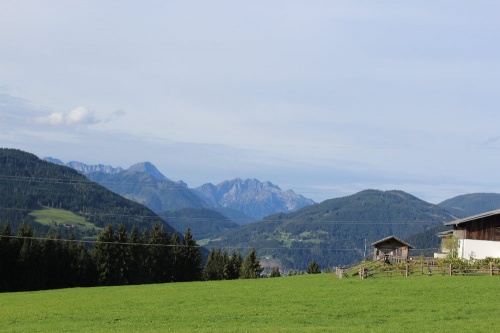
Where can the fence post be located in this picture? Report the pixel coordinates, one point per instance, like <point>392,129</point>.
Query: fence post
<point>406,272</point>
<point>339,272</point>
<point>491,267</point>
<point>451,270</point>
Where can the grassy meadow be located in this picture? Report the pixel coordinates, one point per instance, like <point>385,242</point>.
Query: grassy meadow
<point>49,216</point>
<point>307,303</point>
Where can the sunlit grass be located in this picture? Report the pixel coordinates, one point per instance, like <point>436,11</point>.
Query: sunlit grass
<point>53,216</point>
<point>308,303</point>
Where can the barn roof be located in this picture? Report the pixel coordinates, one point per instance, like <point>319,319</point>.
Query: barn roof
<point>445,233</point>
<point>474,217</point>
<point>392,237</point>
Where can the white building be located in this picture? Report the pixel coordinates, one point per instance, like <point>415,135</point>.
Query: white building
<point>478,236</point>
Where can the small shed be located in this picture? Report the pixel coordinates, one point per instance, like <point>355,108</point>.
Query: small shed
<point>391,249</point>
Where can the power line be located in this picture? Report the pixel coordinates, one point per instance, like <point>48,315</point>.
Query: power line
<point>200,219</point>
<point>182,245</point>
<point>95,241</point>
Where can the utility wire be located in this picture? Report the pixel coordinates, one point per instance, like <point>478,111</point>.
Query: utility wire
<point>180,245</point>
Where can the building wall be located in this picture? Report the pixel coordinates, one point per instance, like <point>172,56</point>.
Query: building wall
<point>484,229</point>
<point>479,248</point>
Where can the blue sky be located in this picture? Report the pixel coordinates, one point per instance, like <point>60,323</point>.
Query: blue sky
<point>323,97</point>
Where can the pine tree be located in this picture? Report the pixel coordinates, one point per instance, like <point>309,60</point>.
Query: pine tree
<point>134,273</point>
<point>104,255</point>
<point>191,259</point>
<point>86,270</point>
<point>122,255</point>
<point>275,272</point>
<point>313,268</point>
<point>177,259</point>
<point>28,259</point>
<point>160,264</point>
<point>226,265</point>
<point>212,269</point>
<point>236,261</point>
<point>8,259</point>
<point>250,268</point>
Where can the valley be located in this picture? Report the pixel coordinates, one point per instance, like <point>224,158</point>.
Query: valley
<point>296,230</point>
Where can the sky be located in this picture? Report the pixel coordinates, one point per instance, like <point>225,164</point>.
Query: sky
<point>326,98</point>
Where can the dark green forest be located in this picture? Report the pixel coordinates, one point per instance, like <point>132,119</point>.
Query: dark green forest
<point>471,204</point>
<point>335,232</point>
<point>117,257</point>
<point>28,183</point>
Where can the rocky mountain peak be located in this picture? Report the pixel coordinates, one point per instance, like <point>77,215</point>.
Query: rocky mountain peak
<point>148,168</point>
<point>252,197</point>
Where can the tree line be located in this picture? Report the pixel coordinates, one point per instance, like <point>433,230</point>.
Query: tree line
<point>29,183</point>
<point>118,257</point>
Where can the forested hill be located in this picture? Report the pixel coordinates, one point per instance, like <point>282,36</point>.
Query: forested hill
<point>29,184</point>
<point>471,204</point>
<point>335,231</point>
<point>203,222</point>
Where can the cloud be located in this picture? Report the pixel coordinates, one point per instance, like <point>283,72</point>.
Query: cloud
<point>492,140</point>
<point>77,116</point>
<point>115,115</point>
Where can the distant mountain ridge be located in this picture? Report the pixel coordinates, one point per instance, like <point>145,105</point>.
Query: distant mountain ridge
<point>85,168</point>
<point>149,168</point>
<point>471,204</point>
<point>243,200</point>
<point>252,197</point>
<point>59,187</point>
<point>149,189</point>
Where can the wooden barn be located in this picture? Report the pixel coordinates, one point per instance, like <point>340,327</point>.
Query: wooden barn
<point>478,236</point>
<point>391,249</point>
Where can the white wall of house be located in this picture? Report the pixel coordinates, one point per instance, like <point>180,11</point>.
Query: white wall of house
<point>479,249</point>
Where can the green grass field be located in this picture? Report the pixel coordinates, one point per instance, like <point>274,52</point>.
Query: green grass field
<point>48,216</point>
<point>308,303</point>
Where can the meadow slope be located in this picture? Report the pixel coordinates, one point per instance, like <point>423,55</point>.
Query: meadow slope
<point>309,303</point>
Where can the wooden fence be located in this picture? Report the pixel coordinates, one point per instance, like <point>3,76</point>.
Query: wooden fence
<point>412,269</point>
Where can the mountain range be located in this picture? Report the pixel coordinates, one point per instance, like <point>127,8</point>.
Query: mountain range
<point>334,232</point>
<point>241,200</point>
<point>251,197</point>
<point>55,197</point>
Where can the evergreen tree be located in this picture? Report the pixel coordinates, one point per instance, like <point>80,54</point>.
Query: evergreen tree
<point>8,259</point>
<point>275,272</point>
<point>191,258</point>
<point>213,267</point>
<point>226,265</point>
<point>28,259</point>
<point>122,255</point>
<point>72,254</point>
<point>49,276</point>
<point>104,255</point>
<point>160,264</point>
<point>177,260</point>
<point>313,268</point>
<point>236,261</point>
<point>137,259</point>
<point>86,270</point>
<point>250,268</point>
